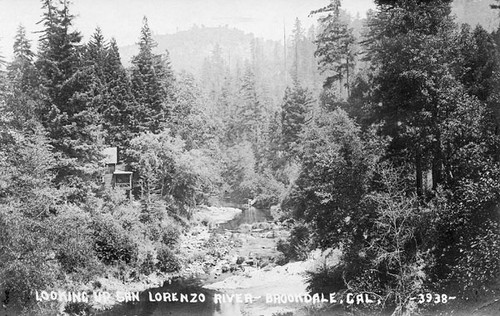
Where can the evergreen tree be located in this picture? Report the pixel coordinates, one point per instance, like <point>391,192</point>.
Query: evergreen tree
<point>3,93</point>
<point>298,39</point>
<point>95,53</point>
<point>109,89</point>
<point>295,108</point>
<point>226,107</point>
<point>479,61</point>
<point>193,117</point>
<point>72,124</point>
<point>335,46</point>
<point>22,46</point>
<point>311,63</point>
<point>251,111</point>
<point>25,95</point>
<point>214,70</point>
<point>478,69</point>
<point>152,85</point>
<point>117,115</point>
<point>411,54</point>
<point>256,58</point>
<point>58,56</point>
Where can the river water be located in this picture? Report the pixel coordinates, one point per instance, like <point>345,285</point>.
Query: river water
<point>194,291</point>
<point>148,307</point>
<point>248,216</point>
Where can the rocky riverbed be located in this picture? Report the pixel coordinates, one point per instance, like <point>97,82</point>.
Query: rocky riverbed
<point>231,263</point>
<point>243,261</point>
<point>212,253</point>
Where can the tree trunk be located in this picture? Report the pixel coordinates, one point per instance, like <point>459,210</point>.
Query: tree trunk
<point>347,76</point>
<point>418,170</point>
<point>437,162</point>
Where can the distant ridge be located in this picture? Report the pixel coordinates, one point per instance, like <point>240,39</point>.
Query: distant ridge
<point>476,12</point>
<point>189,48</point>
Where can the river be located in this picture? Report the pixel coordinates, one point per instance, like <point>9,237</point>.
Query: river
<point>248,216</point>
<point>149,306</point>
<point>194,290</point>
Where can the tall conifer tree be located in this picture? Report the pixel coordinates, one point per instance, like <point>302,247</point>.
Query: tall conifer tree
<point>109,90</point>
<point>72,123</point>
<point>295,107</point>
<point>24,99</point>
<point>335,47</point>
<point>152,84</point>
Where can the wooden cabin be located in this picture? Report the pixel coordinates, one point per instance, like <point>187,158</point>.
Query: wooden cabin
<point>116,176</point>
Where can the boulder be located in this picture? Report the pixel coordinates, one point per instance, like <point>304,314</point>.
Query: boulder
<point>250,262</point>
<point>240,260</point>
<point>234,267</point>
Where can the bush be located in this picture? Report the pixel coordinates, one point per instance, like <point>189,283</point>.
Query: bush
<point>479,265</point>
<point>170,235</point>
<point>111,242</point>
<point>167,260</point>
<point>74,242</point>
<point>283,246</point>
<point>153,211</point>
<point>215,247</point>
<point>326,279</point>
<point>280,259</point>
<point>298,244</point>
<point>147,264</point>
<point>129,216</point>
<point>24,245</point>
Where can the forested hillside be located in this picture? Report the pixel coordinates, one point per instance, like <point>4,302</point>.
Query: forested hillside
<point>378,137</point>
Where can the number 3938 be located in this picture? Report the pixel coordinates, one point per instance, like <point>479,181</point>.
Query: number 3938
<point>433,298</point>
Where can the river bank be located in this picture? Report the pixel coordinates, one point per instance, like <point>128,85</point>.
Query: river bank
<point>192,253</point>
<point>230,262</point>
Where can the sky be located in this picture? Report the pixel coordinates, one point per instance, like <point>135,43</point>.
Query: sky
<point>122,19</point>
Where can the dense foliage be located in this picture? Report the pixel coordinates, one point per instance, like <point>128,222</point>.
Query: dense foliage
<point>408,194</point>
<point>388,152</point>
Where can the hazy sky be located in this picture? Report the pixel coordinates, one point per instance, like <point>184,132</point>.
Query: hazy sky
<point>122,19</point>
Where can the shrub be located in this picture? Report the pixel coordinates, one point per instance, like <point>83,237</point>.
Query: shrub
<point>24,246</point>
<point>298,244</point>
<point>147,264</point>
<point>479,266</point>
<point>197,256</point>
<point>280,259</point>
<point>153,211</point>
<point>215,247</point>
<point>111,242</point>
<point>326,279</point>
<point>74,241</point>
<point>167,260</point>
<point>129,216</point>
<point>283,246</point>
<point>170,235</point>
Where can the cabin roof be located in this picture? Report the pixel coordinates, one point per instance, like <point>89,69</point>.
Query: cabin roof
<point>122,172</point>
<point>111,155</point>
